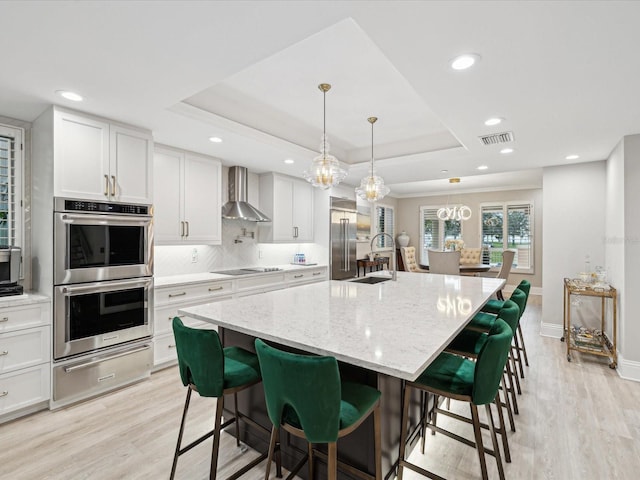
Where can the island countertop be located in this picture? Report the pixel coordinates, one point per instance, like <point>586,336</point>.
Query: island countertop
<point>393,328</point>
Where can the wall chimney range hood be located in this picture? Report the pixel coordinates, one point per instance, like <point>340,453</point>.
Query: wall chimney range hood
<point>237,208</point>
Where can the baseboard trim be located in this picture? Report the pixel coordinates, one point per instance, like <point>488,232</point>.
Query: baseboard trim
<point>628,369</point>
<point>552,330</point>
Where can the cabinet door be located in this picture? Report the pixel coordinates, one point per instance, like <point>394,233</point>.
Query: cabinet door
<point>130,165</point>
<point>167,205</point>
<point>202,208</point>
<point>283,209</point>
<point>303,211</point>
<point>81,156</point>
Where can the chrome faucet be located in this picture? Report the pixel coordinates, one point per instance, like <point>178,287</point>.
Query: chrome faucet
<point>394,275</point>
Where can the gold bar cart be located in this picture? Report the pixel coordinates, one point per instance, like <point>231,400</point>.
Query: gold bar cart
<point>583,340</point>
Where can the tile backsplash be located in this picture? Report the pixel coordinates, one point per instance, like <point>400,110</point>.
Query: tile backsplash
<point>179,259</point>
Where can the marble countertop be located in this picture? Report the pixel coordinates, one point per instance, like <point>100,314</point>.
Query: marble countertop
<point>394,328</point>
<point>186,279</point>
<point>24,299</point>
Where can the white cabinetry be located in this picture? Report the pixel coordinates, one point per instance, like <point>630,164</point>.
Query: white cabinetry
<point>25,356</point>
<point>168,300</point>
<point>95,159</point>
<point>288,202</point>
<point>187,207</point>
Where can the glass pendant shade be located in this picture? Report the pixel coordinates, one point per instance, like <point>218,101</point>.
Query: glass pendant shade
<point>372,187</point>
<point>325,170</point>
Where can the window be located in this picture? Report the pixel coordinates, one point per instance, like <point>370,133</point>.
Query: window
<point>384,224</point>
<point>508,226</point>
<point>435,231</point>
<point>10,186</point>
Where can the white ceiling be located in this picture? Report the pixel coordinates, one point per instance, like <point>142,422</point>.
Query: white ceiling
<point>563,75</point>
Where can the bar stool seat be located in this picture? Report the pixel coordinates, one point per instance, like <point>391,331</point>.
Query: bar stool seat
<point>306,397</point>
<point>213,371</point>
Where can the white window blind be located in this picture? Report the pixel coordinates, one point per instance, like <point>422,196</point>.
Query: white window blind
<point>10,186</point>
<point>384,224</point>
<point>435,231</point>
<point>508,226</point>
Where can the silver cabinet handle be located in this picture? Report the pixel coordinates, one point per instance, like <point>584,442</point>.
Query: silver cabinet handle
<point>171,295</point>
<point>106,185</point>
<point>4,394</point>
<point>295,232</point>
<point>171,346</point>
<point>99,360</point>
<point>4,319</point>
<point>3,353</point>
<point>316,273</point>
<point>215,289</point>
<point>187,223</point>
<point>171,318</point>
<point>182,229</point>
<point>113,185</point>
<point>298,276</point>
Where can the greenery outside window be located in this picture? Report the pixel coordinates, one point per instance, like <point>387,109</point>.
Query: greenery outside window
<point>384,224</point>
<point>508,226</point>
<point>434,232</point>
<point>11,219</point>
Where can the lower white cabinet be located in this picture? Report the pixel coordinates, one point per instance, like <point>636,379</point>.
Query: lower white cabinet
<point>25,354</point>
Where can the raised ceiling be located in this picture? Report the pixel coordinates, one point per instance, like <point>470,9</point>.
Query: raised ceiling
<point>561,74</point>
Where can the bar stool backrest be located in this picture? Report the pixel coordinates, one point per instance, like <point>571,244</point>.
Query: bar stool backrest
<point>510,313</point>
<point>525,286</point>
<point>490,363</point>
<point>307,386</point>
<point>200,359</point>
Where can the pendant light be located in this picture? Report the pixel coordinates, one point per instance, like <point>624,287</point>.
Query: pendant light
<point>372,188</point>
<point>325,170</point>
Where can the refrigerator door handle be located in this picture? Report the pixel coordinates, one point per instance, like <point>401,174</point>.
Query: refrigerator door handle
<point>344,227</point>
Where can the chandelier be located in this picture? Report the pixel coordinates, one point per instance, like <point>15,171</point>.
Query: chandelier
<point>457,212</point>
<point>325,170</point>
<point>372,188</point>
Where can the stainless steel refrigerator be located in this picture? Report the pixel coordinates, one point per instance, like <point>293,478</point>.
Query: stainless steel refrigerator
<point>343,238</point>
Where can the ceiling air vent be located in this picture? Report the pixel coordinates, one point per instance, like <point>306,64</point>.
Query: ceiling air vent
<point>496,138</point>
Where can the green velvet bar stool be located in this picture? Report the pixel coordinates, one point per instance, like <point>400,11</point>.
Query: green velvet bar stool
<point>213,371</point>
<point>469,343</point>
<point>474,382</point>
<point>306,397</point>
<point>493,306</point>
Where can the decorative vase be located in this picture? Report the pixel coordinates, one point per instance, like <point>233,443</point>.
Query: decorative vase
<point>402,239</point>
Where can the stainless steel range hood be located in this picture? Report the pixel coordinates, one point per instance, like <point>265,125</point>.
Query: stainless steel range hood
<point>237,208</point>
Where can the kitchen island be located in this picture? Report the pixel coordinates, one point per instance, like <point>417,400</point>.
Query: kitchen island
<point>381,334</point>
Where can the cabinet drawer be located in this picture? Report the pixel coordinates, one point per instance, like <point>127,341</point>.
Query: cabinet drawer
<point>187,293</point>
<point>304,276</point>
<point>261,282</point>
<point>24,387</point>
<point>163,316</point>
<point>18,318</point>
<point>164,346</point>
<point>24,348</point>
<point>83,378</point>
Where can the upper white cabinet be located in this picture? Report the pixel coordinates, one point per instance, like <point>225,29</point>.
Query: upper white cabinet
<point>187,207</point>
<point>95,159</point>
<point>288,202</point>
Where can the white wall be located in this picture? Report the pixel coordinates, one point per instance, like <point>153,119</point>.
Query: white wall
<point>573,226</point>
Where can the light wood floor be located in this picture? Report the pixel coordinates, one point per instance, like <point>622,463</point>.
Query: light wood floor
<point>577,420</point>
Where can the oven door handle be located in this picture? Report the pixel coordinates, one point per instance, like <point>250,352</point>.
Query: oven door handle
<point>80,366</point>
<point>104,219</point>
<point>96,287</point>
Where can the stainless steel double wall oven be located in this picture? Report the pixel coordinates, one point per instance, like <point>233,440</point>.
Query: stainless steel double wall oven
<point>103,293</point>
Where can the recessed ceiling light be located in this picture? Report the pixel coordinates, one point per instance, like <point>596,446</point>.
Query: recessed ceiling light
<point>572,157</point>
<point>289,161</point>
<point>444,171</point>
<point>465,61</point>
<point>493,121</point>
<point>73,96</point>
<point>482,167</point>
<point>215,139</point>
<point>504,151</point>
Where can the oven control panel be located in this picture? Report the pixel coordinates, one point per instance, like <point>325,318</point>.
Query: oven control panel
<point>104,207</point>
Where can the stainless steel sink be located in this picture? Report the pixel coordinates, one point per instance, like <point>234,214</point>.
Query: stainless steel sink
<point>371,280</point>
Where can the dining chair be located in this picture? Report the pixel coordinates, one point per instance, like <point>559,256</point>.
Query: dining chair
<point>306,397</point>
<point>447,263</point>
<point>470,256</point>
<point>474,382</point>
<point>505,269</point>
<point>408,255</point>
<point>213,371</point>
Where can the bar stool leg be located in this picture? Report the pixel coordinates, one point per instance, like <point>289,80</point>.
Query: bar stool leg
<point>503,430</point>
<point>332,464</point>
<point>310,461</point>
<point>403,431</point>
<point>272,447</point>
<point>235,406</point>
<point>378,440</point>
<point>184,417</point>
<point>216,438</point>
<point>507,403</point>
<point>478,437</point>
<point>494,441</point>
<point>524,349</point>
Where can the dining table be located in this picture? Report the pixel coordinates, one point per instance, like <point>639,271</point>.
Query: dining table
<point>466,268</point>
<point>382,334</point>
